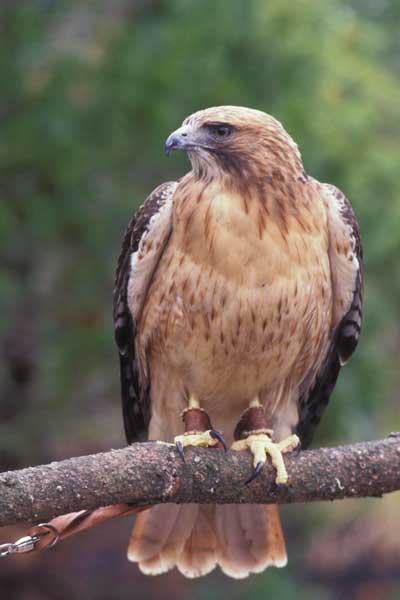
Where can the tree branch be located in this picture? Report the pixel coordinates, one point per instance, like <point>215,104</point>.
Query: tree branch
<point>151,473</point>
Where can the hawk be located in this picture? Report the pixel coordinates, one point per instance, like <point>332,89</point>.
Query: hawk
<point>238,298</point>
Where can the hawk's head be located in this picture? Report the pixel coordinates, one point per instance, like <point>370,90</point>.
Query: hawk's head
<point>235,141</point>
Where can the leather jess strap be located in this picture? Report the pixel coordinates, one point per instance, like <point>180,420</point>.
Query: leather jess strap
<point>66,525</point>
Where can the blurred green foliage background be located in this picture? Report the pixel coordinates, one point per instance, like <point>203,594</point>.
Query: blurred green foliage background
<point>90,91</point>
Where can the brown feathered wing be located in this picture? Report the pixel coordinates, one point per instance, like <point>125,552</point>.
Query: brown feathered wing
<point>345,255</point>
<point>137,262</point>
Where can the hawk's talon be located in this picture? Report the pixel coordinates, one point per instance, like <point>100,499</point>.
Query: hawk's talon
<point>216,435</point>
<point>296,451</point>
<point>261,445</point>
<point>281,489</point>
<point>198,439</point>
<point>179,447</point>
<point>256,471</point>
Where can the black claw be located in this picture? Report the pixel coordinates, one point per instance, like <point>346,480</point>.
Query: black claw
<point>281,489</point>
<point>179,447</point>
<point>218,436</point>
<point>256,471</point>
<point>296,451</point>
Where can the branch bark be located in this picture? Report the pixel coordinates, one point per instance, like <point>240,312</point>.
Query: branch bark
<point>151,473</point>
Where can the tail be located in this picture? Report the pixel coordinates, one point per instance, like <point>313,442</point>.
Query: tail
<point>240,538</point>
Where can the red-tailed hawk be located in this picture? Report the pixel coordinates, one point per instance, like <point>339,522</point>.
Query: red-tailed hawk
<point>238,298</point>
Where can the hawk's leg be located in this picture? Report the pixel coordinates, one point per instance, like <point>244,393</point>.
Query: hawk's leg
<point>198,429</point>
<point>252,433</point>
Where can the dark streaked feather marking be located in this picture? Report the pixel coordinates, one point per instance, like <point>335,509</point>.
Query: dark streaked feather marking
<point>135,394</point>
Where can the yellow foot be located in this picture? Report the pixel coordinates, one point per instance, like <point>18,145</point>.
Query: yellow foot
<point>260,444</point>
<point>203,439</point>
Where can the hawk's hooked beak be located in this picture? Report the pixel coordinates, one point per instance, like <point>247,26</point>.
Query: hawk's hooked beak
<point>181,139</point>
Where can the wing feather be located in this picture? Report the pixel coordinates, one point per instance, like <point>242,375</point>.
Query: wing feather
<point>143,244</point>
<point>345,254</point>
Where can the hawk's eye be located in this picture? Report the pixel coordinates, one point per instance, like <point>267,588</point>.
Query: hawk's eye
<point>221,132</point>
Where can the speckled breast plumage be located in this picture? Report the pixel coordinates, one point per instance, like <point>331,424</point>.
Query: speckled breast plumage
<point>239,306</point>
